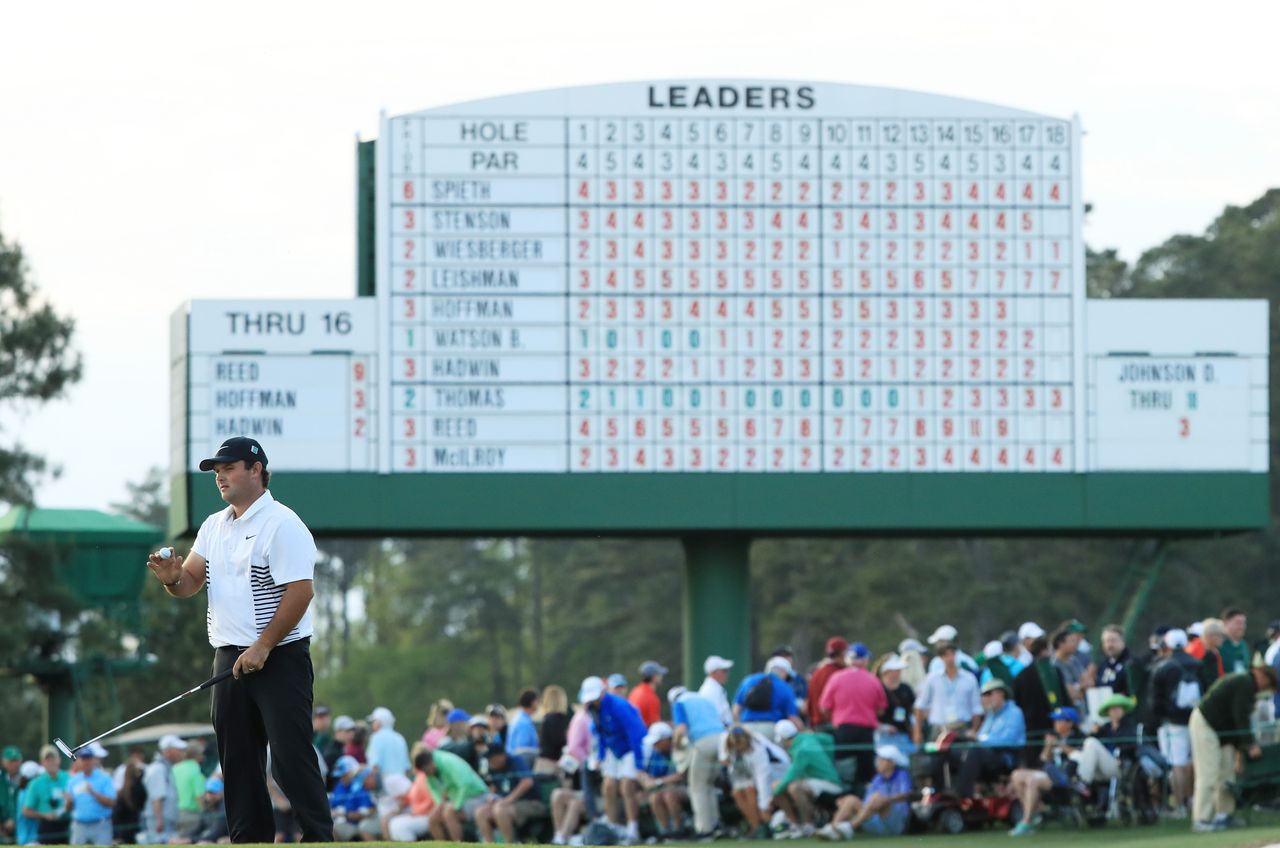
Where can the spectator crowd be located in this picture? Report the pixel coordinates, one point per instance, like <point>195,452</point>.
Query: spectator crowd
<point>852,743</point>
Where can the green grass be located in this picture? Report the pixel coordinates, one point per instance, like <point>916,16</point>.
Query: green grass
<point>1264,831</point>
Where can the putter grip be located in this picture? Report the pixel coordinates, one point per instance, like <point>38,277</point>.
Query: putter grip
<point>217,678</point>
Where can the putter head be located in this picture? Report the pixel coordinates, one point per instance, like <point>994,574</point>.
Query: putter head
<point>62,746</point>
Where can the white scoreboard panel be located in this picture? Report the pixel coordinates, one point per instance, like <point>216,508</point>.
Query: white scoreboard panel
<point>298,375</point>
<point>1177,384</point>
<point>731,277</point>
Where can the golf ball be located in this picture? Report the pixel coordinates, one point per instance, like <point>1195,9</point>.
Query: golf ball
<point>164,553</point>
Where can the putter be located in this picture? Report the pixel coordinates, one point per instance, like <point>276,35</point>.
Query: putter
<point>71,752</point>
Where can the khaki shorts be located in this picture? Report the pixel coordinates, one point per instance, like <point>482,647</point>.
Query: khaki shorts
<point>527,809</point>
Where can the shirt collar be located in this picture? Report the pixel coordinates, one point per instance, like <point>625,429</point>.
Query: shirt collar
<point>229,514</point>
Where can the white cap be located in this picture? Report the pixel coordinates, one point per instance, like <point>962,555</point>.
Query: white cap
<point>384,716</point>
<point>784,728</point>
<point>779,662</point>
<point>30,769</point>
<point>478,721</point>
<point>945,633</point>
<point>893,755</point>
<point>346,763</point>
<point>591,690</point>
<point>1195,628</point>
<point>658,731</point>
<point>1030,630</point>
<point>171,741</point>
<point>910,645</point>
<point>93,749</point>
<point>1175,638</point>
<point>675,692</point>
<point>715,663</point>
<point>893,662</point>
<point>396,784</point>
<point>344,722</point>
<point>993,649</point>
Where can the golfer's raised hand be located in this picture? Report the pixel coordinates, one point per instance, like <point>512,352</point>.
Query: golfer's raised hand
<point>165,570</point>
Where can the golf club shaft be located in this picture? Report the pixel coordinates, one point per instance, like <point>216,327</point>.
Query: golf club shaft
<point>217,678</point>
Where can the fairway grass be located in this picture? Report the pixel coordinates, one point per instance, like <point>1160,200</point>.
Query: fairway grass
<point>1265,831</point>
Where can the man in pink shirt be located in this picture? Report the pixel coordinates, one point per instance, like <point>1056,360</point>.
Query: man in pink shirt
<point>854,698</point>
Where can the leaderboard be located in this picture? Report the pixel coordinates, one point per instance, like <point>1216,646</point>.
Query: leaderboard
<point>300,376</point>
<point>730,277</point>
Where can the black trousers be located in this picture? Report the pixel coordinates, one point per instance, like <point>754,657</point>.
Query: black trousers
<point>864,737</point>
<point>980,764</point>
<point>272,705</point>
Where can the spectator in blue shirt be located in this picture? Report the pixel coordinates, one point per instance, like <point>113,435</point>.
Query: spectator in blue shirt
<point>697,719</point>
<point>663,782</point>
<point>884,810</point>
<point>764,698</point>
<point>796,680</point>
<point>93,794</point>
<point>349,801</point>
<point>999,739</point>
<point>26,827</point>
<point>619,732</point>
<point>522,735</point>
<point>387,751</point>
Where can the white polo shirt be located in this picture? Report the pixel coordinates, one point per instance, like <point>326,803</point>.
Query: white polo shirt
<point>250,559</point>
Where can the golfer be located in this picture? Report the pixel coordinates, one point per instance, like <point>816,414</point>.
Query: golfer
<point>257,559</point>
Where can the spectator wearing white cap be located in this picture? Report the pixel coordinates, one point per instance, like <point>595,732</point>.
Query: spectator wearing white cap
<point>160,815</point>
<point>619,732</point>
<point>913,654</point>
<point>1027,632</point>
<point>811,775</point>
<point>47,796</point>
<point>1174,693</point>
<point>644,697</point>
<point>764,698</point>
<point>387,752</point>
<point>24,827</point>
<point>349,802</point>
<point>716,669</point>
<point>697,721</point>
<point>895,725</point>
<point>662,782</point>
<point>948,634</point>
<point>93,794</point>
<point>754,764</point>
<point>884,809</point>
<point>996,663</point>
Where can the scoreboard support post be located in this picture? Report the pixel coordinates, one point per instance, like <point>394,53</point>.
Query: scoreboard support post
<point>717,603</point>
<point>1147,570</point>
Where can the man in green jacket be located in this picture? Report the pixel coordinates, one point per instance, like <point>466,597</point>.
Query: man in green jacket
<point>1220,726</point>
<point>812,773</point>
<point>458,791</point>
<point>10,761</point>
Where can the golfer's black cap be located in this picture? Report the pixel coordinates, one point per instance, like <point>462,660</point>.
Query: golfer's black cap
<point>236,448</point>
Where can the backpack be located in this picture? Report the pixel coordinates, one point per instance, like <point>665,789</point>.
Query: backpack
<point>1186,695</point>
<point>760,697</point>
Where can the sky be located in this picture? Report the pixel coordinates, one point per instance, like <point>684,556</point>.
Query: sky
<point>152,153</point>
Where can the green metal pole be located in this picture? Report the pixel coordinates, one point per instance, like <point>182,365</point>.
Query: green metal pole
<point>717,604</point>
<point>60,708</point>
<point>366,213</point>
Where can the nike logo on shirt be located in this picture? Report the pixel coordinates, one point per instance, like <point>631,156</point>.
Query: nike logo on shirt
<point>247,538</point>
